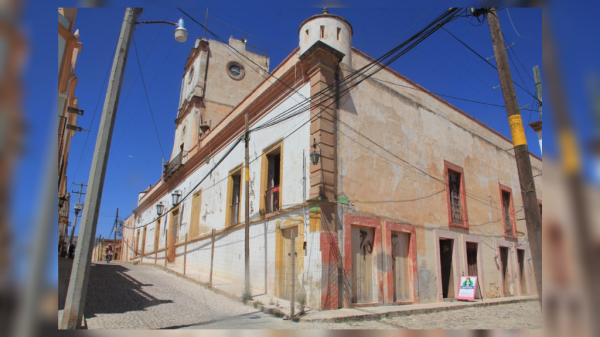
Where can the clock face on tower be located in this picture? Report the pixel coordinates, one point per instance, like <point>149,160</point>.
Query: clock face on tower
<point>235,70</point>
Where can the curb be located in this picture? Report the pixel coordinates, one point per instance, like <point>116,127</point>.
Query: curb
<point>404,312</point>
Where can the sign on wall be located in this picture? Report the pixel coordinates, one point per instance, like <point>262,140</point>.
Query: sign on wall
<point>468,284</point>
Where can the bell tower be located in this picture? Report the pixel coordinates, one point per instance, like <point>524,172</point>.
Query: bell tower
<point>216,77</point>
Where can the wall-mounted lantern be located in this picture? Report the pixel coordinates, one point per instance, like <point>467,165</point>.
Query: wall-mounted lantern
<point>160,208</point>
<point>176,197</point>
<point>314,156</point>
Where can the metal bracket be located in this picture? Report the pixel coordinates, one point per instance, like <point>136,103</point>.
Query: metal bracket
<point>507,48</point>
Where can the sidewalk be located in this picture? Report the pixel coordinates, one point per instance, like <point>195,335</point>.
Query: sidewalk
<point>380,312</point>
<point>279,308</point>
<point>282,307</point>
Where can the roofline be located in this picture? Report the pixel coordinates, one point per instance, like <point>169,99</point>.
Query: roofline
<point>326,15</point>
<point>395,73</point>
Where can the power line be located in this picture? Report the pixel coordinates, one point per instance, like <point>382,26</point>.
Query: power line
<point>431,58</point>
<point>241,31</point>
<point>486,61</point>
<point>142,99</point>
<point>513,25</point>
<point>147,97</point>
<point>94,115</point>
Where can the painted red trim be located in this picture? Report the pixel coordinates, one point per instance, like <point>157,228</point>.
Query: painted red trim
<point>513,235</point>
<point>329,283</point>
<point>414,272</point>
<point>463,199</point>
<point>349,221</point>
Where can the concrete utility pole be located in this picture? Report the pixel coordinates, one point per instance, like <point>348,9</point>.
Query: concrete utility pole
<point>528,193</point>
<point>247,210</point>
<point>76,294</point>
<point>538,87</point>
<point>78,207</point>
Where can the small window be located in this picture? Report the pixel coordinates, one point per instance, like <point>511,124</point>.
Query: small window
<point>191,75</point>
<point>540,204</point>
<point>322,32</point>
<point>306,36</point>
<point>339,34</point>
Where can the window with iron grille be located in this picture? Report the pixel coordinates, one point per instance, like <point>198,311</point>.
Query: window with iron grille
<point>455,197</point>
<point>234,202</point>
<point>272,193</point>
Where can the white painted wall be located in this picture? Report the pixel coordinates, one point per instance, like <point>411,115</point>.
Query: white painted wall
<point>229,249</point>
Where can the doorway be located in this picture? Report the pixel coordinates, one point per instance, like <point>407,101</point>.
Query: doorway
<point>447,268</point>
<point>362,264</point>
<point>472,248</point>
<point>156,235</point>
<point>137,243</point>
<point>522,275</point>
<point>400,267</point>
<point>504,271</point>
<point>144,241</point>
<point>289,253</point>
<point>173,236</point>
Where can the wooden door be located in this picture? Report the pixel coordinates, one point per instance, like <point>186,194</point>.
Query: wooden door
<point>137,243</point>
<point>288,255</point>
<point>144,241</point>
<point>362,264</point>
<point>504,270</point>
<point>173,236</point>
<point>400,267</point>
<point>447,267</point>
<point>472,251</point>
<point>522,280</point>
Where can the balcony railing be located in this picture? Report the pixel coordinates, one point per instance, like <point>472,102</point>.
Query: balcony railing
<point>272,199</point>
<point>172,166</point>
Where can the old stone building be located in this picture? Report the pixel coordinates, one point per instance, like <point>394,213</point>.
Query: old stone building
<point>69,48</point>
<point>408,194</point>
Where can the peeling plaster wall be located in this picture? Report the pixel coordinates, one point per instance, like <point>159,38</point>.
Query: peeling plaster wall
<point>423,131</point>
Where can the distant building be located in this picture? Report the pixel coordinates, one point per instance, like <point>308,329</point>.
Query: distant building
<point>382,216</point>
<point>69,48</point>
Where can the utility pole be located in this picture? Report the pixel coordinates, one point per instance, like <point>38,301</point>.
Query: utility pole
<point>247,210</point>
<point>538,87</point>
<point>528,193</point>
<point>78,283</point>
<point>78,207</point>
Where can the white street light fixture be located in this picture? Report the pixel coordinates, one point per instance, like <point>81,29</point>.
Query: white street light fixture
<point>180,32</point>
<point>160,208</point>
<point>176,196</point>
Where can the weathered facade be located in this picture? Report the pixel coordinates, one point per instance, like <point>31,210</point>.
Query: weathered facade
<point>381,218</point>
<point>69,48</point>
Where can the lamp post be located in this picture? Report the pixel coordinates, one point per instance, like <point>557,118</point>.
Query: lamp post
<point>314,156</point>
<point>77,291</point>
<point>176,195</point>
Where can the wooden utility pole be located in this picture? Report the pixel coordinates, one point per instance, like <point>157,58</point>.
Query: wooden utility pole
<point>538,87</point>
<point>212,258</point>
<point>247,210</point>
<point>528,193</point>
<point>293,277</point>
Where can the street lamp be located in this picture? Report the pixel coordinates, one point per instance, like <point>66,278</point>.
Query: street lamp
<point>180,32</point>
<point>314,156</point>
<point>176,196</point>
<point>160,208</point>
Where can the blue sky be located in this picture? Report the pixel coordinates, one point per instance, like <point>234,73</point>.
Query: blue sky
<point>439,64</point>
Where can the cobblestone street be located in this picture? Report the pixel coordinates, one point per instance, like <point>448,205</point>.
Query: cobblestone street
<point>125,296</point>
